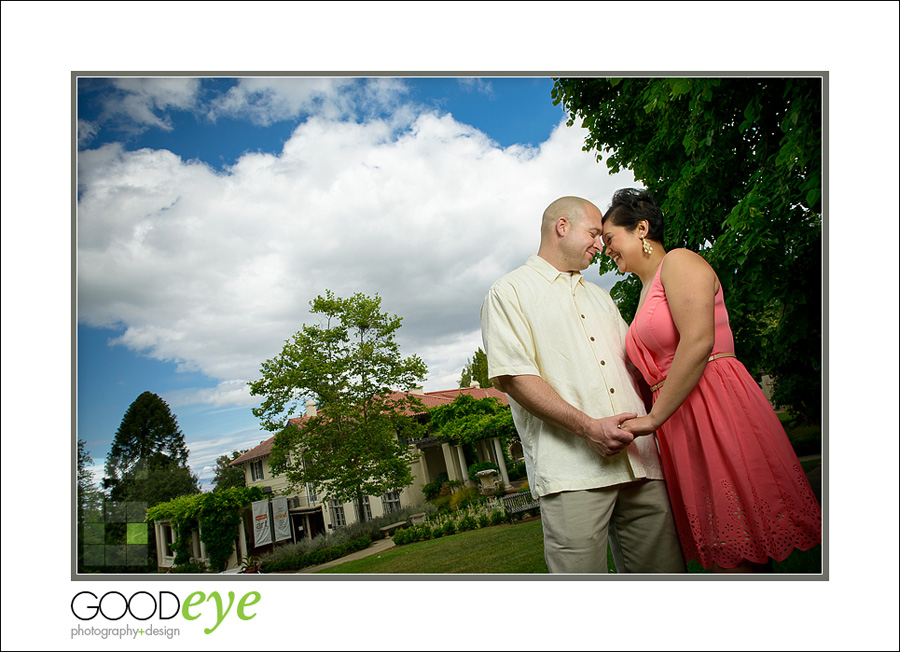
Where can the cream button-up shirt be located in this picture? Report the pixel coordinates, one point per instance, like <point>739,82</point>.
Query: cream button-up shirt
<point>539,321</point>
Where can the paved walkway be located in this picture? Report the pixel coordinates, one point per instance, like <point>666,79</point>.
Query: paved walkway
<point>378,546</point>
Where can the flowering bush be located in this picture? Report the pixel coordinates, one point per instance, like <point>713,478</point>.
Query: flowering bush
<point>484,514</point>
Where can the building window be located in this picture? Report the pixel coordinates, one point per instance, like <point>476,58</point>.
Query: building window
<point>390,502</point>
<point>256,470</point>
<point>337,513</point>
<point>311,494</point>
<point>366,507</point>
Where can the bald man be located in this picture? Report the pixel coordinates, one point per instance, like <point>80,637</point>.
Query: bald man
<point>555,345</point>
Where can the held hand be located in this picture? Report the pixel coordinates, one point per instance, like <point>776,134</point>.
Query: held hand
<point>640,426</point>
<point>606,438</point>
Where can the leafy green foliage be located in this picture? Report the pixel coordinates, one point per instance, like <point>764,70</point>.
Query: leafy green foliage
<point>348,365</point>
<point>229,476</point>
<point>735,165</point>
<point>217,514</point>
<point>468,419</point>
<point>476,369</point>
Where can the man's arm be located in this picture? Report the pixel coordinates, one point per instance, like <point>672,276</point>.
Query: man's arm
<point>535,395</point>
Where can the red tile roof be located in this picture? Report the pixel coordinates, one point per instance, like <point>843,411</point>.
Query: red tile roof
<point>264,448</point>
<point>429,400</point>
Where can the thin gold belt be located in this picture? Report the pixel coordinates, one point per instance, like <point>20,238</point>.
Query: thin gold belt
<point>711,358</point>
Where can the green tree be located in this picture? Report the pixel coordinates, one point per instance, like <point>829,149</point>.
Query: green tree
<point>146,465</point>
<point>90,499</point>
<point>226,475</point>
<point>735,165</point>
<point>148,438</point>
<point>476,370</point>
<point>348,364</point>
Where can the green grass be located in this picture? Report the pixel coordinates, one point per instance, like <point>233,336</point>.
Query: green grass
<point>515,548</point>
<point>503,549</point>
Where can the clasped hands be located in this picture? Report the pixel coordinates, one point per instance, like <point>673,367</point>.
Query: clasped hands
<point>608,436</point>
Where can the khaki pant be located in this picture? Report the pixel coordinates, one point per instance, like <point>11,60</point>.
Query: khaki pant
<point>577,525</point>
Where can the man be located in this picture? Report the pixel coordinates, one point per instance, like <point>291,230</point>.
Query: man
<point>555,345</point>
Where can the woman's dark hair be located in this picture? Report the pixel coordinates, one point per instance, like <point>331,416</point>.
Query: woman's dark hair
<point>630,205</point>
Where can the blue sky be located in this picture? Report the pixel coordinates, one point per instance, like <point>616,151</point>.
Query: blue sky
<point>423,190</point>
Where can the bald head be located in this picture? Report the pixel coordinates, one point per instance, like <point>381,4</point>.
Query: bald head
<point>570,233</point>
<point>571,208</point>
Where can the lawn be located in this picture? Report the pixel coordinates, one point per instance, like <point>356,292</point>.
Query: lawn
<point>515,549</point>
<point>502,549</point>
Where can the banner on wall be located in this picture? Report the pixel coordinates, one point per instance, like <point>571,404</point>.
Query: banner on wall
<point>280,518</point>
<point>262,534</point>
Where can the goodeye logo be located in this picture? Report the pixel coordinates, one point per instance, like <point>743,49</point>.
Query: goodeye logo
<point>143,606</point>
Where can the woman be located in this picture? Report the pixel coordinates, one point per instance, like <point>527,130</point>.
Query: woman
<point>738,492</point>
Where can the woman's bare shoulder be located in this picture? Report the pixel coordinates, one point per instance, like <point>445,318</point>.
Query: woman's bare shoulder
<point>683,264</point>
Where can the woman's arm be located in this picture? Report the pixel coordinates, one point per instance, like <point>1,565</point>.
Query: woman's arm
<point>691,287</point>
<point>534,394</point>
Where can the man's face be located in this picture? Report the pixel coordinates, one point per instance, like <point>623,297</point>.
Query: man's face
<point>582,240</point>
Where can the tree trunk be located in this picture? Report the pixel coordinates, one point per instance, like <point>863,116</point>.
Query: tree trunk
<point>360,507</point>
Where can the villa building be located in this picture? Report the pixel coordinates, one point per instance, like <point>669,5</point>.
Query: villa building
<point>310,515</point>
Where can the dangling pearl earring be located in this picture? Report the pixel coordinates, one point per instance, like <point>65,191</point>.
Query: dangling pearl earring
<point>648,249</point>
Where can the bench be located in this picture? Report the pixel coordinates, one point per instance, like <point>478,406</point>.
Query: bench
<point>389,530</point>
<point>519,503</point>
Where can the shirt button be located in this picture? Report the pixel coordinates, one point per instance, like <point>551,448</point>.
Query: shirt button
<point>582,316</point>
<point>612,390</point>
<point>592,339</point>
<point>603,362</point>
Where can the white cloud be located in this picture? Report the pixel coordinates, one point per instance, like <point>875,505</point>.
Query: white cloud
<point>215,270</point>
<point>266,100</point>
<point>140,103</point>
<point>477,84</point>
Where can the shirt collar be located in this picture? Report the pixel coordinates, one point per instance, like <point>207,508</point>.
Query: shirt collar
<point>549,272</point>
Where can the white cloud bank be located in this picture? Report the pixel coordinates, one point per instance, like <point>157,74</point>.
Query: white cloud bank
<point>215,270</point>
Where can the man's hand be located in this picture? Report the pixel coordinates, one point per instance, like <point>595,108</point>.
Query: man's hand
<point>604,436</point>
<point>640,426</point>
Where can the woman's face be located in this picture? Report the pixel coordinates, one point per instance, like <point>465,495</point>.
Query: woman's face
<point>622,245</point>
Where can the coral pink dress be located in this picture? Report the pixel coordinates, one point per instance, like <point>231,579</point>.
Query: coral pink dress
<point>736,487</point>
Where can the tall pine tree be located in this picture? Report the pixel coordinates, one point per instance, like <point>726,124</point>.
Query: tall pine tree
<point>146,465</point>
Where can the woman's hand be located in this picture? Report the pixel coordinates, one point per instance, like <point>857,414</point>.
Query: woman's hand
<point>640,426</point>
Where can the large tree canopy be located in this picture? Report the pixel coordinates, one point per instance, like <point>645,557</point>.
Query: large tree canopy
<point>148,458</point>
<point>348,365</point>
<point>735,164</point>
<point>146,465</point>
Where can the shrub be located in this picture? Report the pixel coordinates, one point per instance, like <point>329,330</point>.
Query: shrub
<point>465,497</point>
<point>411,535</point>
<point>467,523</point>
<point>433,489</point>
<point>315,557</point>
<point>442,503</point>
<point>448,528</point>
<point>196,566</point>
<point>517,471</point>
